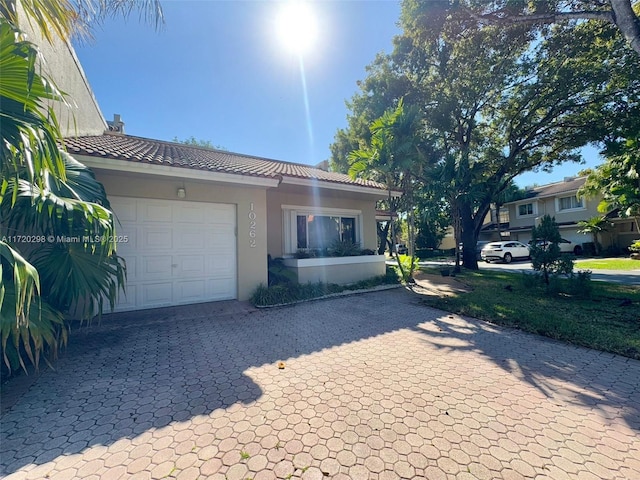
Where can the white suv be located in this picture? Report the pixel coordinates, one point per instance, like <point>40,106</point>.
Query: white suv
<point>505,251</point>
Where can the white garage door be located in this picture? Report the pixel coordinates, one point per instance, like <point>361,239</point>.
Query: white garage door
<point>177,252</point>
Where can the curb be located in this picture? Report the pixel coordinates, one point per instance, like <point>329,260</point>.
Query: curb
<point>346,293</point>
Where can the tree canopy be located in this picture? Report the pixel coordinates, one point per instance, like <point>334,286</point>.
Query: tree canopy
<point>620,13</point>
<point>617,180</point>
<point>496,100</point>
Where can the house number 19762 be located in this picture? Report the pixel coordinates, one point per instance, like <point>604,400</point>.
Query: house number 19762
<point>252,226</point>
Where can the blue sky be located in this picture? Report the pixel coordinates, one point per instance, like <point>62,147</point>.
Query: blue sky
<point>217,71</point>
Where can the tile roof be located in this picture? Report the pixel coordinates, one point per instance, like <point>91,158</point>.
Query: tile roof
<point>158,152</point>
<point>569,185</point>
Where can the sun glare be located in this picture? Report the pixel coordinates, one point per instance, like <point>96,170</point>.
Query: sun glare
<point>296,27</point>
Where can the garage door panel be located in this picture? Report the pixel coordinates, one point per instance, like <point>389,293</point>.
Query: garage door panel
<point>153,211</point>
<point>129,246</point>
<point>222,288</point>
<point>178,252</point>
<point>190,239</point>
<point>220,264</point>
<point>156,266</point>
<point>128,300</point>
<point>157,239</point>
<point>125,211</point>
<point>189,291</point>
<point>132,266</point>
<point>156,294</point>
<point>191,265</point>
<point>191,214</point>
<point>221,238</point>
<point>223,212</point>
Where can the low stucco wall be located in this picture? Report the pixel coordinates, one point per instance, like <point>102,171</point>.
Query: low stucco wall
<point>340,270</point>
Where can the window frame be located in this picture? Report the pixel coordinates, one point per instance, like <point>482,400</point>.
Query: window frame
<point>558,202</point>
<point>534,210</point>
<point>290,215</point>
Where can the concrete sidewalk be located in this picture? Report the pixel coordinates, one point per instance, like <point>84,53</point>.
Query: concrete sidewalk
<point>375,386</point>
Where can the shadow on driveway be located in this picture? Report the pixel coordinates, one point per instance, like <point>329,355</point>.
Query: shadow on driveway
<point>145,370</point>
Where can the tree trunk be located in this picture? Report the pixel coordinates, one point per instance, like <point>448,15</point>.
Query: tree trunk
<point>627,22</point>
<point>471,224</point>
<point>469,239</point>
<point>393,237</point>
<point>411,231</point>
<point>383,236</point>
<point>457,233</point>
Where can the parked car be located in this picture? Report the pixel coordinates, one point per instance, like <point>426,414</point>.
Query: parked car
<point>566,246</point>
<point>479,246</point>
<point>401,249</point>
<point>505,251</point>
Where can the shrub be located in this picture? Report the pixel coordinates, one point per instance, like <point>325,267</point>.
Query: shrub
<point>344,248</point>
<point>303,254</point>
<point>391,275</point>
<point>406,262</point>
<point>635,246</point>
<point>336,249</point>
<point>292,292</point>
<point>278,273</point>
<point>580,283</point>
<point>274,295</point>
<point>611,251</point>
<point>589,248</point>
<point>545,252</point>
<point>530,280</point>
<point>425,253</point>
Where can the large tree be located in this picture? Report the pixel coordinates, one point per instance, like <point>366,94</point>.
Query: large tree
<point>499,100</point>
<point>617,180</point>
<point>621,13</point>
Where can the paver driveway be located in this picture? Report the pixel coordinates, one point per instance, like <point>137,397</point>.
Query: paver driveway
<point>375,386</point>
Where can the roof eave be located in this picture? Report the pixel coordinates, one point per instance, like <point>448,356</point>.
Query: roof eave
<point>178,172</point>
<point>347,187</point>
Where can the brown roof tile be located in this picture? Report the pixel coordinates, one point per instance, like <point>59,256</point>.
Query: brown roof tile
<point>552,189</point>
<point>157,152</point>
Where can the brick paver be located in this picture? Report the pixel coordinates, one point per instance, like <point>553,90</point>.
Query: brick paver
<point>375,386</point>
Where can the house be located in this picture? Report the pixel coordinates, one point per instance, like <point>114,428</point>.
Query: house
<point>560,200</point>
<point>197,225</point>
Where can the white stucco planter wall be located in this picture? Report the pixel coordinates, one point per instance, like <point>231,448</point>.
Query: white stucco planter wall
<point>340,270</point>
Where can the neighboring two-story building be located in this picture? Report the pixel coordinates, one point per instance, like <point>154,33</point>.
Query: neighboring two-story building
<point>560,200</point>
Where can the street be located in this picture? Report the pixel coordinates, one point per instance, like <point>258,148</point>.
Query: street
<point>629,277</point>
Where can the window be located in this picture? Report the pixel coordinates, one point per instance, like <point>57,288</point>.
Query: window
<point>320,231</point>
<point>311,228</point>
<point>525,209</point>
<point>569,203</point>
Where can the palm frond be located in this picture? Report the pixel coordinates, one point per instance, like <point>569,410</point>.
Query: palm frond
<point>77,276</point>
<point>24,280</point>
<point>43,332</point>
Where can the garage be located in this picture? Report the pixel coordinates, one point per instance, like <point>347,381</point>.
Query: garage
<point>177,252</point>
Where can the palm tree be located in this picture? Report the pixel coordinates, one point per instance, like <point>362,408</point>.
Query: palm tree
<point>391,158</point>
<point>46,196</point>
<point>595,226</point>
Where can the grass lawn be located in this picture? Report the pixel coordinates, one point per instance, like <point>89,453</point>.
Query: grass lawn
<point>608,264</point>
<point>608,321</point>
